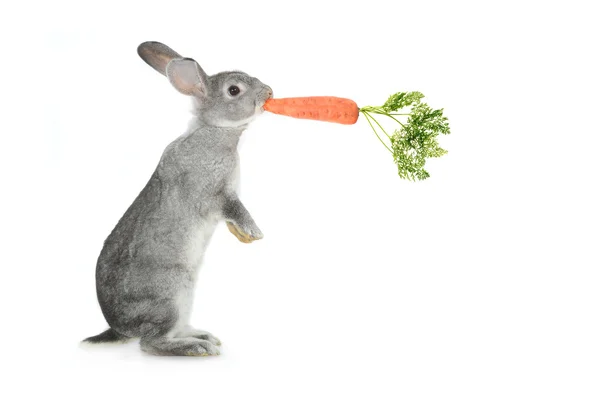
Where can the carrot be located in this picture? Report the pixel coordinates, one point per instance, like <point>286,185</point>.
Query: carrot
<point>410,144</point>
<point>321,108</point>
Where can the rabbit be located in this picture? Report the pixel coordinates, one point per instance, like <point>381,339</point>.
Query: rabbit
<point>146,271</point>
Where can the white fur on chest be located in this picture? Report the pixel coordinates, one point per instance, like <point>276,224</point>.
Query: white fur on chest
<point>234,179</point>
<point>198,240</point>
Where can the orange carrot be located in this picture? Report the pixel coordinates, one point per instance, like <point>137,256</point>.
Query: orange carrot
<point>321,108</point>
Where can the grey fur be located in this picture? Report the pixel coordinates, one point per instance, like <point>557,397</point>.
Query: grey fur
<point>146,271</point>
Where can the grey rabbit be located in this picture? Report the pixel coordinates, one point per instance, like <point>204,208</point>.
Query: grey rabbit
<point>146,271</point>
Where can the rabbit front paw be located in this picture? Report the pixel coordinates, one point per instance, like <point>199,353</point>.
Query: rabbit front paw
<point>244,235</point>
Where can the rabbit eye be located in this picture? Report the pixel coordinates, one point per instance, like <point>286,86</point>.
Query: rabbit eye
<point>233,90</point>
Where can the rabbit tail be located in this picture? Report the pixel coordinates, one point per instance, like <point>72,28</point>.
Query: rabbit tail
<point>108,336</point>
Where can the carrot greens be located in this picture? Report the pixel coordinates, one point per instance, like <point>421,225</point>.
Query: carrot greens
<point>416,138</point>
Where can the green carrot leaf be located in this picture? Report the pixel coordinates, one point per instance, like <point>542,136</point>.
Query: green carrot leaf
<point>416,138</point>
<point>401,100</point>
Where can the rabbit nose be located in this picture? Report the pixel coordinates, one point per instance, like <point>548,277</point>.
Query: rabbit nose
<point>269,92</point>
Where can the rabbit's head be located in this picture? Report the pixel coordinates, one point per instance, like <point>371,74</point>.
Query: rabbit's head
<point>226,99</point>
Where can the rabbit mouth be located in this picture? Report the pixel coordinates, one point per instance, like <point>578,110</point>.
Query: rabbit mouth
<point>265,95</point>
<point>260,106</point>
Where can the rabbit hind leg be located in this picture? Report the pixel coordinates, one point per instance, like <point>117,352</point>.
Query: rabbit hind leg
<point>173,346</point>
<point>157,331</point>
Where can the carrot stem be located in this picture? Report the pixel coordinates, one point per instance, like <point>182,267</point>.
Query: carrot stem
<point>380,127</point>
<point>390,115</point>
<point>368,117</point>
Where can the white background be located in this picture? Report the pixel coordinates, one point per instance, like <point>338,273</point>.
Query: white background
<point>479,283</point>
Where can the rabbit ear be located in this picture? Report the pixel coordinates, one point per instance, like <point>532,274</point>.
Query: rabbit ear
<point>157,55</point>
<point>187,77</point>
